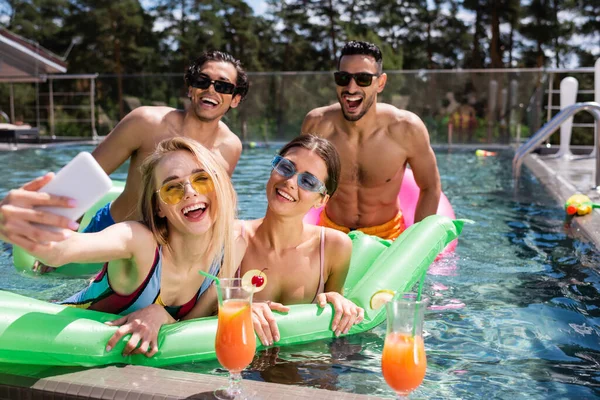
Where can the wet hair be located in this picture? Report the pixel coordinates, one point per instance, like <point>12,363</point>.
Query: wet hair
<point>355,47</point>
<point>241,84</point>
<point>324,149</point>
<point>223,212</point>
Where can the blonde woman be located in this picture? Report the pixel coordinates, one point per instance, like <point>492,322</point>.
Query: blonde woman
<point>187,206</point>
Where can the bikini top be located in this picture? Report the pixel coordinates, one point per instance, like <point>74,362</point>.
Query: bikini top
<point>100,296</point>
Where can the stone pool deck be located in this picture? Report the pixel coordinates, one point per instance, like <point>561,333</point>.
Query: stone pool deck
<point>564,177</point>
<point>142,383</point>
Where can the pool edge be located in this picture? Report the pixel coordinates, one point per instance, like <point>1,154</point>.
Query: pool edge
<point>145,383</point>
<point>556,182</point>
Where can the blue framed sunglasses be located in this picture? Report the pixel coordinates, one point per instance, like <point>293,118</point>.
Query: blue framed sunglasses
<point>306,180</point>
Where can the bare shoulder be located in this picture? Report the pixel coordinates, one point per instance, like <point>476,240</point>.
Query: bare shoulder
<point>228,138</point>
<point>250,226</point>
<point>149,121</point>
<point>320,120</point>
<point>402,124</point>
<point>152,115</point>
<point>322,112</point>
<point>240,241</point>
<point>136,229</point>
<point>229,146</point>
<point>242,229</point>
<point>337,243</point>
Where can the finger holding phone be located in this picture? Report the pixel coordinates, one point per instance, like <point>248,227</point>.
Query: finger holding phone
<point>45,209</point>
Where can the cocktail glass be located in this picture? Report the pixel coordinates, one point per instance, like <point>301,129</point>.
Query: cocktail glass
<point>403,361</point>
<point>235,343</point>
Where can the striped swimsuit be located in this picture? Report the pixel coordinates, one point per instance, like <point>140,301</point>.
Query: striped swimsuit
<point>100,296</point>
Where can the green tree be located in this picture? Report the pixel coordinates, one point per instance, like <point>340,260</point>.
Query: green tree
<point>188,28</point>
<point>589,12</point>
<point>115,38</point>
<point>545,32</point>
<point>299,44</point>
<point>476,58</point>
<point>41,21</point>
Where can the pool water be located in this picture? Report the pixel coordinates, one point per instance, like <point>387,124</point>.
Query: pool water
<point>514,311</point>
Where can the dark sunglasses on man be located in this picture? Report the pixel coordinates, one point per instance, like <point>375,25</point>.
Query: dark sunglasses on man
<point>204,82</point>
<point>363,79</point>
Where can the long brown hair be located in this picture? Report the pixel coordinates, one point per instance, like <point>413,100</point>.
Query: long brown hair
<point>223,212</point>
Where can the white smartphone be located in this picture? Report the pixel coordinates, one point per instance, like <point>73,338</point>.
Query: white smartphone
<point>83,180</point>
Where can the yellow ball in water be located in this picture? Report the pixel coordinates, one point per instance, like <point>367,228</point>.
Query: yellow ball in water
<point>252,145</point>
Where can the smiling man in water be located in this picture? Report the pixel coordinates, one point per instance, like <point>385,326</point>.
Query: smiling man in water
<point>216,82</point>
<point>375,142</point>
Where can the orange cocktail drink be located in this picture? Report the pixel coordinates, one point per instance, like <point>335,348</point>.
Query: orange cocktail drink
<point>403,362</point>
<point>235,343</point>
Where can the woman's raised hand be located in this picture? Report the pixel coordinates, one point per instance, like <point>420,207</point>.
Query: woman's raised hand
<point>143,325</point>
<point>264,322</point>
<point>18,217</point>
<point>346,313</point>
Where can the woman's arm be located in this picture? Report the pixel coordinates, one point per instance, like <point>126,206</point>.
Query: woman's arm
<point>338,250</point>
<point>120,241</point>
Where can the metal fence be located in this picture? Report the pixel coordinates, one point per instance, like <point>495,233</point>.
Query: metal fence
<point>457,106</point>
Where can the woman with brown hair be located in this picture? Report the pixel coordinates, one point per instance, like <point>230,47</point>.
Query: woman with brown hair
<point>301,263</point>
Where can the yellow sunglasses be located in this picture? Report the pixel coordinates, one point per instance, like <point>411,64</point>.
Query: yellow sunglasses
<point>173,192</point>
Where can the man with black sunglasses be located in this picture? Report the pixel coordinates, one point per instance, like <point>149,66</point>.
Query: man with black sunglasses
<point>216,82</point>
<point>375,142</point>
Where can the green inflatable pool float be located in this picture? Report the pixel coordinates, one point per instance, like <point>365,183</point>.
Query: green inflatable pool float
<point>41,333</point>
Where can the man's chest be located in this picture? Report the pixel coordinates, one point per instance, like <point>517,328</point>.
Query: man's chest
<point>370,162</point>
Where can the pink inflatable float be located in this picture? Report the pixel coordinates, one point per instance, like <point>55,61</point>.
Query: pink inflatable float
<point>408,196</point>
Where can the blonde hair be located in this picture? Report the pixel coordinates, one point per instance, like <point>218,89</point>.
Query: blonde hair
<point>223,212</point>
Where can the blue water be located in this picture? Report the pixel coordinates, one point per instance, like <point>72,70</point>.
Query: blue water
<point>514,311</point>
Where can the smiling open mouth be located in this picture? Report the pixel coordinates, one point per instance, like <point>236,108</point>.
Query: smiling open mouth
<point>283,194</point>
<point>209,102</point>
<point>195,211</point>
<point>353,102</point>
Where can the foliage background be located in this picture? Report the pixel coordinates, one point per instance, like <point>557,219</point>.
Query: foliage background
<point>141,49</point>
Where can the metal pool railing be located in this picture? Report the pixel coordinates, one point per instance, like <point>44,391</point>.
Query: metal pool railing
<point>552,126</point>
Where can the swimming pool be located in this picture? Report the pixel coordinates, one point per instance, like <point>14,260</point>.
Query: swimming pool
<point>515,312</point>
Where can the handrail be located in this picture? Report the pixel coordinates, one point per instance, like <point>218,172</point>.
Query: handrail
<point>552,126</point>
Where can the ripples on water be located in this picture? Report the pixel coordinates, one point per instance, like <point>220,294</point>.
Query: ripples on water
<point>514,311</point>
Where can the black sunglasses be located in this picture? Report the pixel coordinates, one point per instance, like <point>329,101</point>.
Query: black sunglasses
<point>204,82</point>
<point>362,79</point>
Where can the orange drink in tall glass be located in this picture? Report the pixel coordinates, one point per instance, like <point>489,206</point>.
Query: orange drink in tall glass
<point>235,342</point>
<point>403,361</point>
